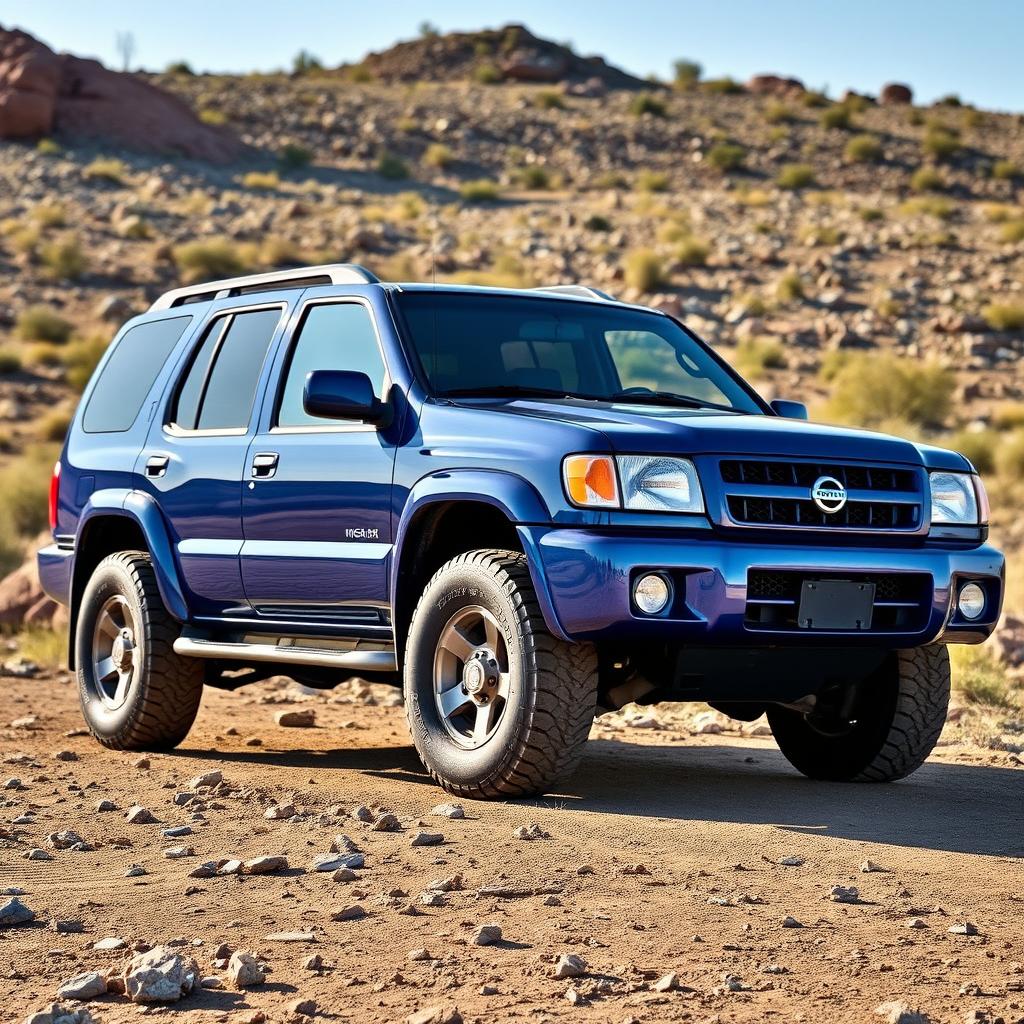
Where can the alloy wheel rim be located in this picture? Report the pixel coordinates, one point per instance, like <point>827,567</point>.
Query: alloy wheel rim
<point>472,682</point>
<point>114,651</point>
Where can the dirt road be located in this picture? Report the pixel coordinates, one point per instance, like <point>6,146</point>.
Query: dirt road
<point>664,856</point>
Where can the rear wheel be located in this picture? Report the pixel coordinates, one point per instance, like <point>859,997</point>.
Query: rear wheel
<point>136,693</point>
<point>880,730</point>
<point>497,706</point>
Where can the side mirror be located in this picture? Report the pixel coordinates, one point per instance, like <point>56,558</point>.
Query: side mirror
<point>343,395</point>
<point>791,410</point>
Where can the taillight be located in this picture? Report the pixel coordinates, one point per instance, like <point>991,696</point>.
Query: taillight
<point>54,493</point>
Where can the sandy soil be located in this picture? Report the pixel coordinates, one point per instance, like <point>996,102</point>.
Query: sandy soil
<point>664,856</point>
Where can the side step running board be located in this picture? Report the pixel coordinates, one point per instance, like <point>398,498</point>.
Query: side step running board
<point>352,660</point>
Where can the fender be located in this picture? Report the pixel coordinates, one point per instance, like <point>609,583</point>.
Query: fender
<point>515,497</point>
<point>143,510</point>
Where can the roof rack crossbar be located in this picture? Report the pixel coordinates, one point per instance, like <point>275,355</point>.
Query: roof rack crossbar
<point>581,291</point>
<point>300,277</point>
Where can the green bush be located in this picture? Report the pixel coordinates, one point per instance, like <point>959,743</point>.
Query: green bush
<point>979,678</point>
<point>24,487</point>
<point>1009,416</point>
<point>940,142</point>
<point>815,99</point>
<point>63,259</point>
<point>979,446</point>
<point>80,359</point>
<point>549,99</point>
<point>726,156</point>
<point>927,179</point>
<point>105,169</point>
<point>48,147</point>
<point>54,425</point>
<point>438,155</point>
<point>180,67</point>
<point>482,190</point>
<point>789,287</point>
<point>869,390</point>
<point>1010,456</point>
<point>644,270</point>
<point>779,113</point>
<point>693,252</point>
<point>213,117</point>
<point>534,177</point>
<point>392,167</point>
<point>934,206</point>
<point>836,117</point>
<point>652,181</point>
<point>722,86</point>
<point>794,176</point>
<point>686,74</point>
<point>863,149</point>
<point>293,156</point>
<point>10,362</point>
<point>756,355</point>
<point>41,323</point>
<point>1006,170</point>
<point>1005,316</point>
<point>487,74</point>
<point>1012,231</point>
<point>647,103</point>
<point>597,222</point>
<point>210,259</point>
<point>261,181</point>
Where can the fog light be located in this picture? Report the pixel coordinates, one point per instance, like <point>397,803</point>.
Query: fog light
<point>971,601</point>
<point>652,593</point>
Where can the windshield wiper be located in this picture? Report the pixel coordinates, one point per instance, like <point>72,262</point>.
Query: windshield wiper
<point>500,390</point>
<point>667,398</point>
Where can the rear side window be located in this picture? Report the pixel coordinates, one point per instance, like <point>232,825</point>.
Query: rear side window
<point>335,336</point>
<point>126,378</point>
<point>220,386</point>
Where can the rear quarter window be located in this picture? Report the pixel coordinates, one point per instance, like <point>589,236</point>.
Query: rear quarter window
<point>128,375</point>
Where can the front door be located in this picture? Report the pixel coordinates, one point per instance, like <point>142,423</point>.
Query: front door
<point>316,502</point>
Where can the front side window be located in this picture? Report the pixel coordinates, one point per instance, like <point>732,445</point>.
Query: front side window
<point>334,336</point>
<point>129,373</point>
<point>472,344</point>
<point>219,387</point>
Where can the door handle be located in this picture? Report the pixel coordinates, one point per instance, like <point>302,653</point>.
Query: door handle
<point>264,465</point>
<point>156,465</point>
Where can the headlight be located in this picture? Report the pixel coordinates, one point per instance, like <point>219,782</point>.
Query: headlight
<point>953,499</point>
<point>650,483</point>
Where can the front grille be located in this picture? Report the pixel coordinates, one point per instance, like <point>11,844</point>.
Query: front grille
<point>902,600</point>
<point>761,493</point>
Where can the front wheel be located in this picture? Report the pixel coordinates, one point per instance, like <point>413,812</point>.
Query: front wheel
<point>878,731</point>
<point>497,706</point>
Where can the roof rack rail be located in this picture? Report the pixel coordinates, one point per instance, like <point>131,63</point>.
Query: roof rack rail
<point>581,291</point>
<point>300,277</point>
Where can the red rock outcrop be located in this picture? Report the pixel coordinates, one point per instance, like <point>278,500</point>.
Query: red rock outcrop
<point>44,93</point>
<point>775,85</point>
<point>895,93</point>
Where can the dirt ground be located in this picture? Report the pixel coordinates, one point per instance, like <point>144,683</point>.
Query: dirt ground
<point>664,855</point>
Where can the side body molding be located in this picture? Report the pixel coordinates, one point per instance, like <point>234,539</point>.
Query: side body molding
<point>515,497</point>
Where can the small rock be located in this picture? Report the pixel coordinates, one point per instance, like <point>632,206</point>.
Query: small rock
<point>177,832</point>
<point>869,866</point>
<point>111,942</point>
<point>264,865</point>
<point>68,926</point>
<point>335,861</point>
<point>37,854</point>
<point>292,937</point>
<point>179,852</point>
<point>435,1015</point>
<point>533,831</point>
<point>83,986</point>
<point>313,963</point>
<point>159,976</point>
<point>296,719</point>
<point>419,954</point>
<point>453,811</point>
<point>344,875</point>
<point>280,812</point>
<point>386,823</point>
<point>486,935</point>
<point>791,922</point>
<point>63,840</point>
<point>244,971</point>
<point>140,816</point>
<point>966,928</point>
<point>207,780</point>
<point>211,981</point>
<point>792,862</point>
<point>900,1013</point>
<point>65,755</point>
<point>422,838</point>
<point>362,813</point>
<point>570,966</point>
<point>14,912</point>
<point>667,983</point>
<point>134,871</point>
<point>844,894</point>
<point>350,913</point>
<point>917,922</point>
<point>106,805</point>
<point>303,1007</point>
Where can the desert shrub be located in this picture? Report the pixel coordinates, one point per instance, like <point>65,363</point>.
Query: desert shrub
<point>863,149</point>
<point>751,303</point>
<point>482,190</point>
<point>693,252</point>
<point>979,446</point>
<point>42,645</point>
<point>789,287</point>
<point>821,234</point>
<point>652,181</point>
<point>293,156</point>
<point>261,181</point>
<point>49,215</point>
<point>210,259</point>
<point>870,214</point>
<point>996,213</point>
<point>180,67</point>
<point>837,116</point>
<point>597,222</point>
<point>487,74</point>
<point>213,117</point>
<point>609,179</point>
<point>647,103</point>
<point>549,99</point>
<point>869,390</point>
<point>10,362</point>
<point>276,251</point>
<point>726,156</point>
<point>779,113</point>
<point>933,206</point>
<point>940,142</point>
<point>794,176</point>
<point>756,355</point>
<point>1009,416</point>
<point>979,678</point>
<point>105,169</point>
<point>1006,170</point>
<point>358,74</point>
<point>535,177</point>
<point>722,86</point>
<point>42,353</point>
<point>41,323</point>
<point>1012,231</point>
<point>1005,316</point>
<point>304,62</point>
<point>686,74</point>
<point>1010,456</point>
<point>644,270</point>
<point>392,167</point>
<point>814,98</point>
<point>438,155</point>
<point>48,147</point>
<point>81,357</point>
<point>24,486</point>
<point>927,179</point>
<point>54,425</point>
<point>63,258</point>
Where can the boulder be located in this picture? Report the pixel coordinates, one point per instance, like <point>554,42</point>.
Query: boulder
<point>775,85</point>
<point>895,93</point>
<point>533,66</point>
<point>45,93</point>
<point>159,976</point>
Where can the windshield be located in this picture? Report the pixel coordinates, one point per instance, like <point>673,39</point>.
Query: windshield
<point>524,345</point>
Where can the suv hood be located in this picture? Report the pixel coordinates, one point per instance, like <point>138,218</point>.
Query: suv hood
<point>669,430</point>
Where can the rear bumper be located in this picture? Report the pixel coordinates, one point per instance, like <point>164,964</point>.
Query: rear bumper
<point>54,564</point>
<point>584,579</point>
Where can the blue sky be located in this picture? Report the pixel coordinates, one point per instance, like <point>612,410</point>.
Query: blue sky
<point>969,47</point>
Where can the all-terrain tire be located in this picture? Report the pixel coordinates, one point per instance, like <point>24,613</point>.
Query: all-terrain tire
<point>163,697</point>
<point>540,737</point>
<point>899,717</point>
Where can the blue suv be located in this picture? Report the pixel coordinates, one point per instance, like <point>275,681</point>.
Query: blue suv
<point>521,506</point>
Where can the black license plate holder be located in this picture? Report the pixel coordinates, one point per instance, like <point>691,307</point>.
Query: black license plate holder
<point>836,605</point>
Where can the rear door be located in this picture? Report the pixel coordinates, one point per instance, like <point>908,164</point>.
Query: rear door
<point>194,458</point>
<point>317,499</point>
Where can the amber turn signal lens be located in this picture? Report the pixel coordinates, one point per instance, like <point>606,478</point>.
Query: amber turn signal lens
<point>590,481</point>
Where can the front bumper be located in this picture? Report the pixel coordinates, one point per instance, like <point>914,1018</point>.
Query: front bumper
<point>583,578</point>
